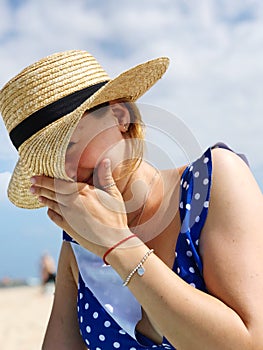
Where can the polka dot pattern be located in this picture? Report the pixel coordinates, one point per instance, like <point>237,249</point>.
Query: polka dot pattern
<point>194,204</point>
<point>98,329</point>
<point>96,321</point>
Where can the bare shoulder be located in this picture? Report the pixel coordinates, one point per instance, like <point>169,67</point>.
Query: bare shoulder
<point>231,242</point>
<point>227,166</point>
<point>235,193</point>
<point>236,201</point>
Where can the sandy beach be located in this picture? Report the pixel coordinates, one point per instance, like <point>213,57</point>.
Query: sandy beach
<point>24,313</point>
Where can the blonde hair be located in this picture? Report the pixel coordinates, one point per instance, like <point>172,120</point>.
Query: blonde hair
<point>135,133</point>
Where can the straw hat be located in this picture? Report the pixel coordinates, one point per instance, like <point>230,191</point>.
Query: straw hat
<point>42,105</point>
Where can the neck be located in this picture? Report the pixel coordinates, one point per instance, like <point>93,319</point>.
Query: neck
<point>137,192</point>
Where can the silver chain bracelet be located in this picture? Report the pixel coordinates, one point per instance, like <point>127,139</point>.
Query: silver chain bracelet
<point>138,268</point>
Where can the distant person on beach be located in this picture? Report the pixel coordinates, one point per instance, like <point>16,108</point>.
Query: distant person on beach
<point>48,269</point>
<point>151,259</point>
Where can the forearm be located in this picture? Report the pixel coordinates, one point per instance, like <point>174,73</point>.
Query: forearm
<point>63,329</point>
<point>187,317</point>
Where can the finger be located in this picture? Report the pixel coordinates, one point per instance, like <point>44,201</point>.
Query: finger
<point>57,185</point>
<point>56,218</point>
<point>60,221</point>
<point>44,195</point>
<point>105,178</point>
<point>54,206</point>
<point>43,192</point>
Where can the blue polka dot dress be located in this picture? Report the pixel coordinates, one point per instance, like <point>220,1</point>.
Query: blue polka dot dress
<point>107,312</point>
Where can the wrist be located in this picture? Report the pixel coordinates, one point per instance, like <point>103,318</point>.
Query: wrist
<point>124,258</point>
<point>117,245</point>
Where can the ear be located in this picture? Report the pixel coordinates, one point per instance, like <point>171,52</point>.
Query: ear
<point>122,114</point>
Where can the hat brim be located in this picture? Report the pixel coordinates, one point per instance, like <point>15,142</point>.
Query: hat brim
<point>44,153</point>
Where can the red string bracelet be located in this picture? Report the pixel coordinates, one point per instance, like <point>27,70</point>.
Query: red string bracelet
<point>115,246</point>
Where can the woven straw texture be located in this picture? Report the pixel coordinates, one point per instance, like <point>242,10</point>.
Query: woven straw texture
<point>47,81</point>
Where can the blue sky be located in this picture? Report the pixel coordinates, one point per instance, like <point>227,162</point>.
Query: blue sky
<point>214,83</point>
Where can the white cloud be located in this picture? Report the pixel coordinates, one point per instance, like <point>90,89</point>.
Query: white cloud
<point>215,79</point>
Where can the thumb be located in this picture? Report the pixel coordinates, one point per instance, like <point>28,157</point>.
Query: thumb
<point>105,178</point>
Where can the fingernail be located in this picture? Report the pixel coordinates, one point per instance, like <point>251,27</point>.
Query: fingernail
<point>106,163</point>
<point>33,180</point>
<point>40,199</point>
<point>32,189</point>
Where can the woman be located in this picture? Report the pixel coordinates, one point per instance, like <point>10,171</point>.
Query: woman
<point>184,245</point>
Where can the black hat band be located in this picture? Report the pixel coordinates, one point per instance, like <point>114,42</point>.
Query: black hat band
<point>50,113</point>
